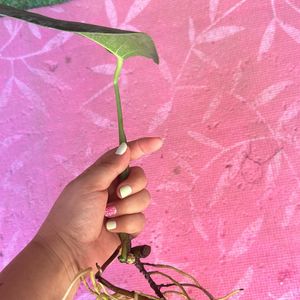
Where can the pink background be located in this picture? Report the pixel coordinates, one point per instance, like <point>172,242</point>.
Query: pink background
<point>225,186</point>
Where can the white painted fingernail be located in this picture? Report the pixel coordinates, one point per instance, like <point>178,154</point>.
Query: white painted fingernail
<point>121,149</point>
<point>125,191</point>
<point>110,225</point>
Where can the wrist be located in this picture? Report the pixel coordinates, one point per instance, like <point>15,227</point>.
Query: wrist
<point>58,251</point>
<point>43,263</point>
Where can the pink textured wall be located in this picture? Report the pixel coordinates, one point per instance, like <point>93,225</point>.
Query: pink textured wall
<point>225,187</point>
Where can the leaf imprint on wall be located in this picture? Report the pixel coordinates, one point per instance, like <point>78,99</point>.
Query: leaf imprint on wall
<point>290,113</point>
<point>49,78</point>
<point>213,8</point>
<point>212,107</point>
<point>105,69</point>
<point>161,116</point>
<point>293,32</point>
<point>57,41</point>
<point>197,222</point>
<point>165,70</point>
<point>218,33</point>
<point>6,92</point>
<point>271,92</point>
<point>8,141</point>
<point>35,30</point>
<point>246,239</point>
<point>173,186</point>
<point>244,283</point>
<point>290,295</point>
<point>267,39</point>
<point>99,120</point>
<point>9,25</point>
<point>136,8</point>
<point>290,208</point>
<point>202,139</point>
<point>206,58</point>
<point>191,31</point>
<point>273,170</point>
<point>31,95</point>
<point>111,13</point>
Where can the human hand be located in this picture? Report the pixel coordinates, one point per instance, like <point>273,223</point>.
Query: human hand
<point>76,229</point>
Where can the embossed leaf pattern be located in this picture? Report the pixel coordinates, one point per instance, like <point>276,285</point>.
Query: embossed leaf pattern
<point>165,70</point>
<point>218,33</point>
<point>35,30</point>
<point>213,8</point>
<point>293,32</point>
<point>206,58</point>
<point>271,92</point>
<point>267,39</point>
<point>111,12</point>
<point>225,187</point>
<point>34,99</point>
<point>192,32</point>
<point>136,8</point>
<point>246,239</point>
<point>6,92</point>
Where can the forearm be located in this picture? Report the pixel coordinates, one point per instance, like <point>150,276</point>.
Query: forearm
<point>38,272</point>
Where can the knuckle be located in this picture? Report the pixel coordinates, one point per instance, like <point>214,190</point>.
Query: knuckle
<point>141,221</point>
<point>142,176</point>
<point>135,224</point>
<point>138,176</point>
<point>139,169</point>
<point>128,226</point>
<point>140,146</point>
<point>89,180</point>
<point>104,194</point>
<point>73,184</point>
<point>146,181</point>
<point>146,197</point>
<point>107,165</point>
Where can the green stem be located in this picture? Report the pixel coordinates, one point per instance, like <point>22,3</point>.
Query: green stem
<point>122,136</point>
<point>125,238</point>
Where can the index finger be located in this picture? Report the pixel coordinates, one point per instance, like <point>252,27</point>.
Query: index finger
<point>106,169</point>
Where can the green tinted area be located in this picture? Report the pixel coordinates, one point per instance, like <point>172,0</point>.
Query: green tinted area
<point>25,4</point>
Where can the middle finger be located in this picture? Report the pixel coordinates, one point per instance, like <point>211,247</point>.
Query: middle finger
<point>134,183</point>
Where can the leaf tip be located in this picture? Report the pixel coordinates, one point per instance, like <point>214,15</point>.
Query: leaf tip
<point>156,57</point>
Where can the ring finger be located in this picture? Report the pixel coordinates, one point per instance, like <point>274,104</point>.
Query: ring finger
<point>129,205</point>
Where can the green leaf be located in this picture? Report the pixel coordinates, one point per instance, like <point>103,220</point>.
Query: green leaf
<point>121,43</point>
<point>125,45</point>
<point>24,4</point>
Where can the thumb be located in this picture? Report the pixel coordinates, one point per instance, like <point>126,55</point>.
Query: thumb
<point>110,165</point>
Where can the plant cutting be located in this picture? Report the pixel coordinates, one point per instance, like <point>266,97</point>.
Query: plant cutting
<point>122,44</point>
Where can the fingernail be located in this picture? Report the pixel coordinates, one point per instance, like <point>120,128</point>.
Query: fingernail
<point>110,225</point>
<point>125,191</point>
<point>121,149</point>
<point>162,140</point>
<point>110,211</point>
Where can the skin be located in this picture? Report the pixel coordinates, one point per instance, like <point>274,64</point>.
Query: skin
<point>73,236</point>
